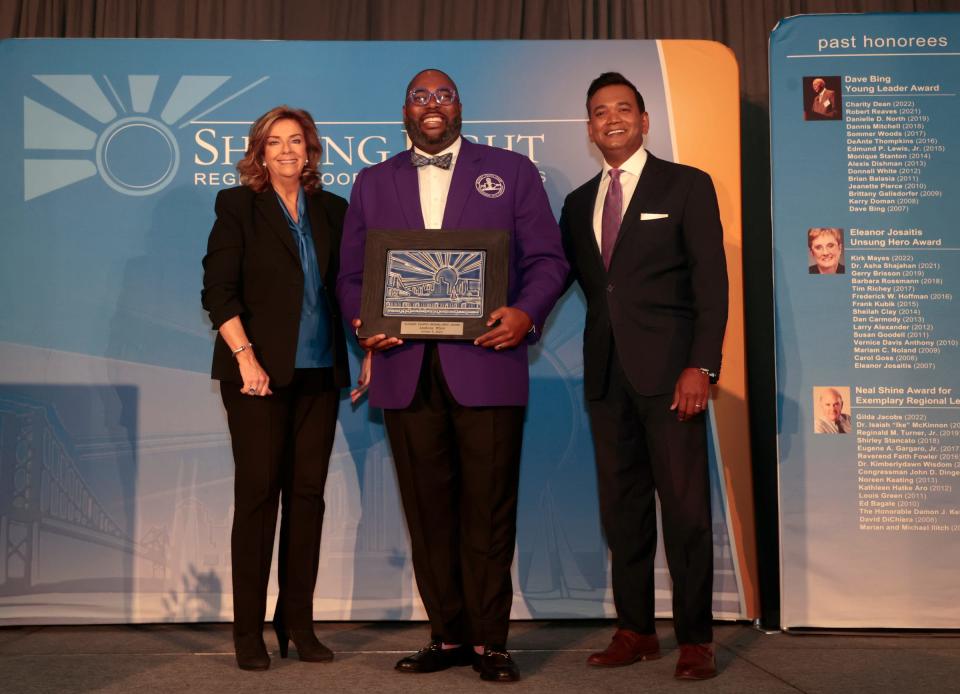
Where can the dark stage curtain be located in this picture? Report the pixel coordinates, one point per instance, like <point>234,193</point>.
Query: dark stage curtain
<point>743,25</point>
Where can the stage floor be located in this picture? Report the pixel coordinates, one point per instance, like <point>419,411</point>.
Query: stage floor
<point>199,659</point>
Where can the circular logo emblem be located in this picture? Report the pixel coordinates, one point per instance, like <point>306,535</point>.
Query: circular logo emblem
<point>490,185</point>
<point>137,155</point>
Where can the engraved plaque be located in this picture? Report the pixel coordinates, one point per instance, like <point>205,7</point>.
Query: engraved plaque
<point>432,284</point>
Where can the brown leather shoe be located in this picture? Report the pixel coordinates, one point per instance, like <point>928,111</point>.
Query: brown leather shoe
<point>625,648</point>
<point>696,662</point>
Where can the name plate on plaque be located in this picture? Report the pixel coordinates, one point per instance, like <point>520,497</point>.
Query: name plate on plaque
<point>433,284</point>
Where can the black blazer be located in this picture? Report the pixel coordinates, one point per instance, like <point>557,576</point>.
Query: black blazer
<point>664,299</point>
<point>252,270</point>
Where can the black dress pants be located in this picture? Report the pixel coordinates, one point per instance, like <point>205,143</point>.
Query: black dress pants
<point>458,470</point>
<point>642,449</point>
<point>281,449</point>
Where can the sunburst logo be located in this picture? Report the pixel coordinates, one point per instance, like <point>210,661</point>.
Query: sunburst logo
<point>133,149</point>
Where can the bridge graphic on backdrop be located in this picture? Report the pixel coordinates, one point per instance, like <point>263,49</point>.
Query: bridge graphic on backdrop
<point>63,548</point>
<point>43,493</point>
<point>556,569</point>
<point>44,497</point>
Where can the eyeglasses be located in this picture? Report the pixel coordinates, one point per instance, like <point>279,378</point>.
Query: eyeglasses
<point>443,96</point>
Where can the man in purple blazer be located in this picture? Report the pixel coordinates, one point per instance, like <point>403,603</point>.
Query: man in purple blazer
<point>454,411</point>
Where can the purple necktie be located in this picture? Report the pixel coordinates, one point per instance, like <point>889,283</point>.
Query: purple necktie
<point>610,222</point>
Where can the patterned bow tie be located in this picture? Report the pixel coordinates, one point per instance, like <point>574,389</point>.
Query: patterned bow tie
<point>442,161</point>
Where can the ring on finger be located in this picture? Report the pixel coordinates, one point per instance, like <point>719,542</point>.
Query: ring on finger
<point>252,391</point>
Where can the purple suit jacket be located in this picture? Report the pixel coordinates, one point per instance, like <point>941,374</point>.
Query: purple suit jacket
<point>387,196</point>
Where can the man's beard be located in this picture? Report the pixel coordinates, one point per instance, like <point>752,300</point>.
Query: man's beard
<point>446,137</point>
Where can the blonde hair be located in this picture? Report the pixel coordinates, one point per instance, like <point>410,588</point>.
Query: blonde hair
<point>815,232</point>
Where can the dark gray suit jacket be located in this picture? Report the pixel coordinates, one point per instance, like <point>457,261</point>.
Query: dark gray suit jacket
<point>664,300</point>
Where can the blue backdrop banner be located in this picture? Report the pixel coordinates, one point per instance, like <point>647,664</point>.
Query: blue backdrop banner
<point>115,465</point>
<point>867,263</point>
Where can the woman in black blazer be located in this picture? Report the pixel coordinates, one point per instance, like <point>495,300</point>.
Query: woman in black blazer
<point>269,277</point>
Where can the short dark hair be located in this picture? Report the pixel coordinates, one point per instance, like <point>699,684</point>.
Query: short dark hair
<point>608,79</point>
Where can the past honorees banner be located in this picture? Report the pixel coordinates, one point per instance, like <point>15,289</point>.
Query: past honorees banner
<point>867,265</point>
<point>115,465</point>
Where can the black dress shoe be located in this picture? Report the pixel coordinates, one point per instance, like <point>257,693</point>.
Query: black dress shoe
<point>497,666</point>
<point>251,653</point>
<point>434,657</point>
<point>306,643</point>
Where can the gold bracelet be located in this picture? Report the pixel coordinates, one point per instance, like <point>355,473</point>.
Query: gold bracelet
<point>241,348</point>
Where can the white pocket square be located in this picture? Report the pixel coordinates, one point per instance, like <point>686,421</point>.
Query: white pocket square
<point>647,216</point>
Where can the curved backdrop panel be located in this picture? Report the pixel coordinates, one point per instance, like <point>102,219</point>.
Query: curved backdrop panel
<point>115,465</point>
<point>867,265</point>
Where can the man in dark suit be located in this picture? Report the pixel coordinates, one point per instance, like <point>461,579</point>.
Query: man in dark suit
<point>644,240</point>
<point>454,410</point>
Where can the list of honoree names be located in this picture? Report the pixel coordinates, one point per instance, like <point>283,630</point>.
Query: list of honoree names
<point>908,459</point>
<point>901,274</point>
<point>893,300</point>
<point>890,142</point>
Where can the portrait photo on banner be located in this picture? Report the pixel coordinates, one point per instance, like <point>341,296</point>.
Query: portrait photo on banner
<point>822,98</point>
<point>831,407</point>
<point>825,251</point>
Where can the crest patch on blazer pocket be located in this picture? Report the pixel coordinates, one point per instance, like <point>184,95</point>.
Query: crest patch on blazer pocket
<point>489,185</point>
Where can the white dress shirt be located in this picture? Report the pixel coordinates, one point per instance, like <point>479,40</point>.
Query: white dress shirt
<point>434,186</point>
<point>630,174</point>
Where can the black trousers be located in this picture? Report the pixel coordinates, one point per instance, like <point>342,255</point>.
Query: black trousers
<point>458,470</point>
<point>642,449</point>
<point>281,449</point>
